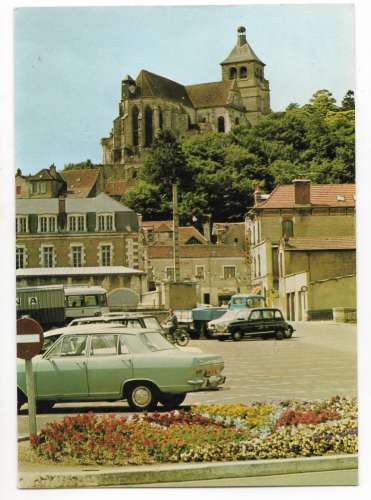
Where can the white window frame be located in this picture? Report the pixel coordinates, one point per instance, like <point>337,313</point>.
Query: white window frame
<point>100,253</point>
<point>24,256</point>
<point>42,253</point>
<point>18,224</point>
<point>71,253</point>
<point>74,219</point>
<point>51,220</point>
<point>106,216</point>
<point>197,274</point>
<point>235,272</point>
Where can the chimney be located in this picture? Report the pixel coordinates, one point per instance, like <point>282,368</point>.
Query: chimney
<point>302,191</point>
<point>241,36</point>
<point>257,195</point>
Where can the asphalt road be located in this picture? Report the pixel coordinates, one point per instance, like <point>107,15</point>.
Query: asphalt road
<point>319,361</point>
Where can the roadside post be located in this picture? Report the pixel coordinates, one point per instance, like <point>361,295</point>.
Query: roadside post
<point>30,339</point>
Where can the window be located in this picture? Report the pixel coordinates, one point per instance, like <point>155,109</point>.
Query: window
<point>73,346</point>
<point>47,256</point>
<point>106,255</point>
<point>20,257</point>
<point>105,222</point>
<point>243,72</point>
<point>277,315</point>
<point>229,272</point>
<point>38,187</point>
<point>133,323</point>
<point>75,300</point>
<point>221,124</point>
<point>287,228</point>
<point>90,300</point>
<point>134,121</point>
<point>47,224</point>
<point>259,266</point>
<point>148,126</point>
<point>21,224</point>
<point>200,272</point>
<point>170,273</point>
<point>255,316</point>
<point>103,345</point>
<point>76,223</point>
<point>268,314</point>
<point>18,190</point>
<point>77,255</point>
<point>151,323</point>
<point>161,119</point>
<point>232,73</point>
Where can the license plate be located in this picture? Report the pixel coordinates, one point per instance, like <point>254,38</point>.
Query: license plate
<point>211,371</point>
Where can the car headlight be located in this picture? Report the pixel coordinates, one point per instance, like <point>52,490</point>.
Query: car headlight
<point>222,328</point>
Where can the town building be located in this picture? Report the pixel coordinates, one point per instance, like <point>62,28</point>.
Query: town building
<point>75,233</point>
<point>219,270</point>
<point>282,228</point>
<point>150,103</point>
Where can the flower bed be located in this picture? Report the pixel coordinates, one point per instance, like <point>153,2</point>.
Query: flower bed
<point>205,433</point>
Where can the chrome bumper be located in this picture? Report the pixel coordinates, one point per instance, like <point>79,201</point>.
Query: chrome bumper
<point>208,382</point>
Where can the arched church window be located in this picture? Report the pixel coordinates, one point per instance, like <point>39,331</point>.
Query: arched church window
<point>148,126</point>
<point>221,124</point>
<point>243,72</point>
<point>232,73</point>
<point>160,119</point>
<point>134,125</point>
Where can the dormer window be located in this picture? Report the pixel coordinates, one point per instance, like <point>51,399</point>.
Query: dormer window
<point>76,223</point>
<point>21,224</point>
<point>105,222</point>
<point>47,224</point>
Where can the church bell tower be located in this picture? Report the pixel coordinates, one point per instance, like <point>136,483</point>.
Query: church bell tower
<point>244,66</point>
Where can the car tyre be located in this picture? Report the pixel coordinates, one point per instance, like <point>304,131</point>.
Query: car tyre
<point>237,335</point>
<point>171,401</point>
<point>279,335</point>
<point>44,406</point>
<point>21,400</point>
<point>222,339</point>
<point>142,396</point>
<point>288,332</point>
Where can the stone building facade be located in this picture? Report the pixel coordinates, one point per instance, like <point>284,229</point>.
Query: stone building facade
<point>77,233</point>
<point>299,214</point>
<point>152,102</point>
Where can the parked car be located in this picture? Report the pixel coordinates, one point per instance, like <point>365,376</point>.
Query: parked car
<point>127,320</point>
<point>220,325</point>
<point>109,363</point>
<point>263,322</point>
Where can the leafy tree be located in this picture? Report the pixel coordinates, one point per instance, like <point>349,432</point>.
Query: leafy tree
<point>323,101</point>
<point>83,164</point>
<point>348,101</point>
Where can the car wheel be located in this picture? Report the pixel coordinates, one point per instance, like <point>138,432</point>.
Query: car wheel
<point>142,397</point>
<point>21,400</point>
<point>44,406</point>
<point>222,339</point>
<point>288,332</point>
<point>237,335</point>
<point>171,401</point>
<point>279,334</point>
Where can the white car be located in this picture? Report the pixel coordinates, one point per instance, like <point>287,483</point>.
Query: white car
<point>220,325</point>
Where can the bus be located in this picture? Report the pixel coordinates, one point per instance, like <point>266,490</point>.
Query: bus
<point>57,305</point>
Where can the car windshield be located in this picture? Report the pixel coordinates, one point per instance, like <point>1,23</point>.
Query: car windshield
<point>151,323</point>
<point>148,341</point>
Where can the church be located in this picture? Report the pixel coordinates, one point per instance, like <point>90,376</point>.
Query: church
<point>152,102</point>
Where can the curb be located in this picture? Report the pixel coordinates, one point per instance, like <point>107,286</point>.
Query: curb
<point>122,476</point>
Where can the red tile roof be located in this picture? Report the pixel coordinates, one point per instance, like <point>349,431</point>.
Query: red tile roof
<point>185,232</point>
<point>195,251</point>
<point>80,182</point>
<point>321,243</point>
<point>328,195</point>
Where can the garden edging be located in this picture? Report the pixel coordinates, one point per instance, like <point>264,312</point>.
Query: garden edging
<point>163,473</point>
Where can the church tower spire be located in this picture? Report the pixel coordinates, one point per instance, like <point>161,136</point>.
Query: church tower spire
<point>244,66</point>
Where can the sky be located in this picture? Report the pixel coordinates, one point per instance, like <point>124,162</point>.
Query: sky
<point>69,63</point>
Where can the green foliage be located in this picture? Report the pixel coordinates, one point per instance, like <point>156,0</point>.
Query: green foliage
<point>83,164</point>
<point>216,173</point>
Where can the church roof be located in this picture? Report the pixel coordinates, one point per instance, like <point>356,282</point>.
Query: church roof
<point>206,95</point>
<point>152,85</point>
<point>242,52</point>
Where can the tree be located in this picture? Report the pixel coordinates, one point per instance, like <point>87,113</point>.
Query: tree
<point>76,166</point>
<point>323,101</point>
<point>348,101</point>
